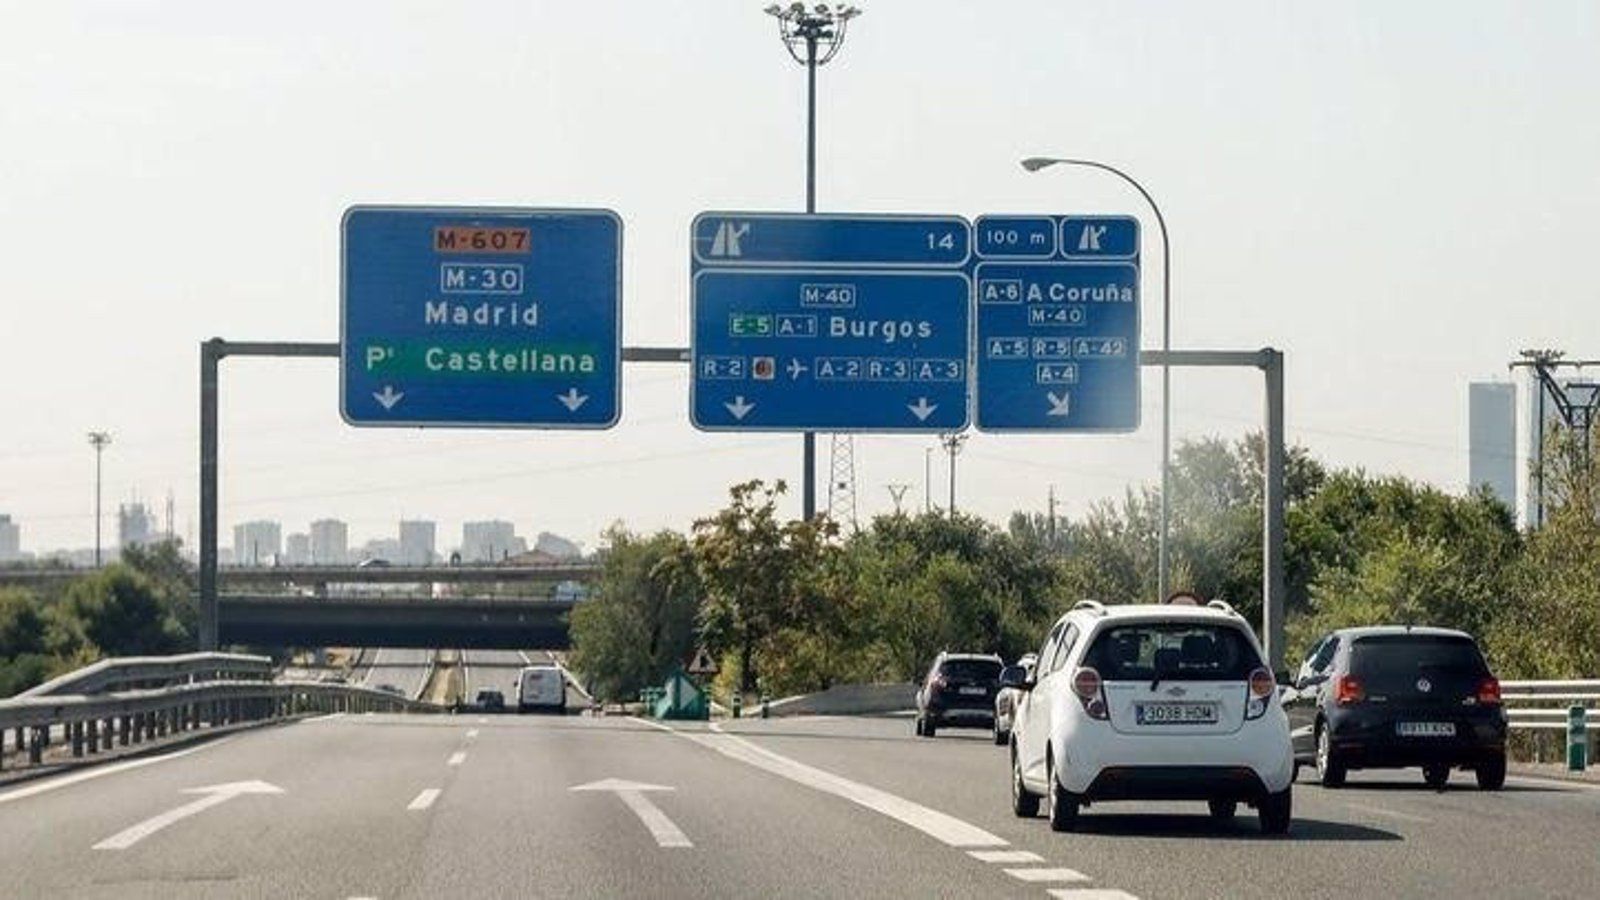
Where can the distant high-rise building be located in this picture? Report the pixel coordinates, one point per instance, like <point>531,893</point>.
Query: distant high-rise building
<point>416,543</point>
<point>297,549</point>
<point>1492,439</point>
<point>257,543</point>
<point>386,549</point>
<point>10,540</point>
<point>136,526</point>
<point>557,546</point>
<point>490,541</point>
<point>330,542</point>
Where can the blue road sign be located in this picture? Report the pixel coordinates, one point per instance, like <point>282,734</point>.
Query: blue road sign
<point>490,317</point>
<point>798,240</point>
<point>1058,338</point>
<point>830,322</point>
<point>830,350</point>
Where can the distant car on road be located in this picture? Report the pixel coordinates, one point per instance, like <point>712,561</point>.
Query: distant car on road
<point>958,691</point>
<point>541,689</point>
<point>490,701</point>
<point>1395,697</point>
<point>373,564</point>
<point>391,689</point>
<point>1150,702</point>
<point>1006,698</point>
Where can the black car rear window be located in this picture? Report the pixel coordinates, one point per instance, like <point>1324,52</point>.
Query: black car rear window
<point>1384,656</point>
<point>1182,651</point>
<point>971,669</point>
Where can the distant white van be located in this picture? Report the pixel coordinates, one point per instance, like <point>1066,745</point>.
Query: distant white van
<point>541,689</point>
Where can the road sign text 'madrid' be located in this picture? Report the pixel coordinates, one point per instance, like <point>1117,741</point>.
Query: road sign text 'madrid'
<point>481,317</point>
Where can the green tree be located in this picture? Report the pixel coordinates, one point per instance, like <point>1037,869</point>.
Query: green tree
<point>760,575</point>
<point>641,621</point>
<point>125,613</point>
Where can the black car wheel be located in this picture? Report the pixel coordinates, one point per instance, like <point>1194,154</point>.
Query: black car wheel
<point>1024,803</point>
<point>1223,810</point>
<point>1001,738</point>
<point>1063,811</point>
<point>1330,770</point>
<point>1492,773</point>
<point>1275,811</point>
<point>1436,775</point>
<point>928,728</point>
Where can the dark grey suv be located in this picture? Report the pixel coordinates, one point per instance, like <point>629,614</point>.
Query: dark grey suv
<point>1396,697</point>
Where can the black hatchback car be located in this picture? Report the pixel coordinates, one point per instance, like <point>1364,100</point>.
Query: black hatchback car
<point>958,691</point>
<point>1397,697</point>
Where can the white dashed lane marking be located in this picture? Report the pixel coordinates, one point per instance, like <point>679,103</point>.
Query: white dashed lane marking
<point>1006,856</point>
<point>1090,894</point>
<point>456,758</point>
<point>1071,876</point>
<point>424,799</point>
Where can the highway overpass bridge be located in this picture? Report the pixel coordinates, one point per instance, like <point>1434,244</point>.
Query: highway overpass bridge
<point>503,623</point>
<point>527,577</point>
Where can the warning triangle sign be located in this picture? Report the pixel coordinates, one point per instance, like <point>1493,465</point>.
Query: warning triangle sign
<point>702,663</point>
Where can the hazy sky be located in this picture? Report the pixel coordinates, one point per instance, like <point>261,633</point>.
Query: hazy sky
<point>1399,196</point>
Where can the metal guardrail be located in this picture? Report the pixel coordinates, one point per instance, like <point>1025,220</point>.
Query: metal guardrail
<point>1542,705</point>
<point>153,672</point>
<point>240,690</point>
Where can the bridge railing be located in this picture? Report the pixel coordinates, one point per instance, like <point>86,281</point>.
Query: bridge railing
<point>1542,705</point>
<point>240,692</point>
<point>123,672</point>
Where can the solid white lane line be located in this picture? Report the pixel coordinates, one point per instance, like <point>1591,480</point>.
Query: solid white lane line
<point>102,771</point>
<point>1380,811</point>
<point>946,829</point>
<point>456,758</point>
<point>1090,894</point>
<point>1005,856</point>
<point>424,799</point>
<point>1553,782</point>
<point>322,718</point>
<point>1037,875</point>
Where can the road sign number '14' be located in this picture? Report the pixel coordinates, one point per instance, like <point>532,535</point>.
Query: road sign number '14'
<point>833,323</point>
<point>481,317</point>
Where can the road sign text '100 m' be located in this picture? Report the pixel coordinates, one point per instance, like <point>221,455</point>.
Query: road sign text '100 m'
<point>481,317</point>
<point>830,322</point>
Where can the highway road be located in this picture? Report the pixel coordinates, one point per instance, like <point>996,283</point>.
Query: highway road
<point>498,670</point>
<point>406,669</point>
<point>531,806</point>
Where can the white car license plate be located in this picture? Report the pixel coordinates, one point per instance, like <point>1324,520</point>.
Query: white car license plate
<point>1425,729</point>
<point>1175,713</point>
<point>973,691</point>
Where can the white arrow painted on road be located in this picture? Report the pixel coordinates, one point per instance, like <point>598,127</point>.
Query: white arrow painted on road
<point>572,399</point>
<point>210,796</point>
<point>388,396</point>
<point>738,407</point>
<point>632,793</point>
<point>922,409</point>
<point>1059,406</point>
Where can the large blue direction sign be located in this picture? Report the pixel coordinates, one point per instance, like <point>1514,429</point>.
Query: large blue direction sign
<point>481,317</point>
<point>830,323</point>
<point>1058,323</point>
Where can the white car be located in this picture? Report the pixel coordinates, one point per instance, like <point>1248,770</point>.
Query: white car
<point>541,689</point>
<point>1150,702</point>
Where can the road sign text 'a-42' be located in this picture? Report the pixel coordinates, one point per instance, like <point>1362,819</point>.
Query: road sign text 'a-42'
<point>1058,323</point>
<point>830,322</point>
<point>481,317</point>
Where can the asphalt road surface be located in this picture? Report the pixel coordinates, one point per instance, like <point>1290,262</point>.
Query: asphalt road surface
<point>390,806</point>
<point>406,669</point>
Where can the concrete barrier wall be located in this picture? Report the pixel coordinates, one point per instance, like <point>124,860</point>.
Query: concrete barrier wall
<point>847,700</point>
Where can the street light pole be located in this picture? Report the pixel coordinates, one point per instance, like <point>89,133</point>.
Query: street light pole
<point>820,28</point>
<point>952,443</point>
<point>99,440</point>
<point>1164,555</point>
